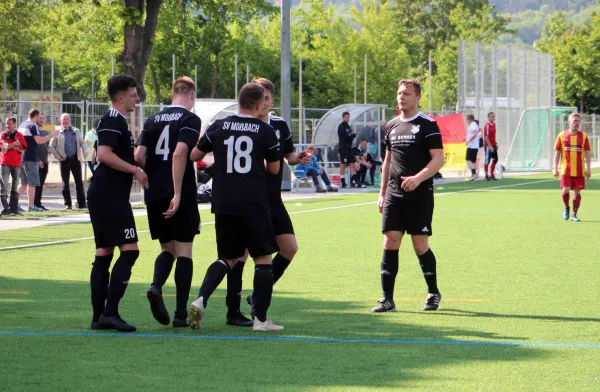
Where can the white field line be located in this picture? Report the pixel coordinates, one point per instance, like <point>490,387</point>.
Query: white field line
<point>69,241</point>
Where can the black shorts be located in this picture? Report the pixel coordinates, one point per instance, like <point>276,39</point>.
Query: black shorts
<point>182,227</point>
<point>281,222</point>
<point>236,233</point>
<point>412,215</point>
<point>472,154</point>
<point>491,156</point>
<point>113,223</point>
<point>346,155</point>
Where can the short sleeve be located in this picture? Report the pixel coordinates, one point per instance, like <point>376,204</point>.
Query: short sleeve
<point>190,131</point>
<point>386,140</point>
<point>205,143</point>
<point>110,131</point>
<point>269,143</point>
<point>434,137</point>
<point>34,130</point>
<point>143,139</point>
<point>558,144</point>
<point>586,144</point>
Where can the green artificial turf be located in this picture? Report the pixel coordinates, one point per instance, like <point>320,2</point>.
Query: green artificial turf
<point>509,268</point>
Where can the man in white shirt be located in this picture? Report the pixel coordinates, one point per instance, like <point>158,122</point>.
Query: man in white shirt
<point>472,143</point>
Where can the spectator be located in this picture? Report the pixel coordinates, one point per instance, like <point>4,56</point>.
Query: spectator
<point>68,148</point>
<point>13,144</point>
<point>314,170</point>
<point>480,151</point>
<point>472,146</point>
<point>30,172</point>
<point>361,164</point>
<point>42,153</point>
<point>90,140</point>
<point>346,136</point>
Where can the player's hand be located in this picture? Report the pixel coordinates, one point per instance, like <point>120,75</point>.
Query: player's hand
<point>555,173</point>
<point>173,207</point>
<point>320,172</point>
<point>491,149</point>
<point>411,183</point>
<point>141,177</point>
<point>380,203</point>
<point>588,174</point>
<point>41,164</point>
<point>304,157</point>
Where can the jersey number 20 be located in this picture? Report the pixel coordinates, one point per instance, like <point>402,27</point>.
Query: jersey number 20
<point>236,150</point>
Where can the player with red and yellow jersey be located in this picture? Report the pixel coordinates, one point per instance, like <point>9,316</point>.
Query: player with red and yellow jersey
<point>573,152</point>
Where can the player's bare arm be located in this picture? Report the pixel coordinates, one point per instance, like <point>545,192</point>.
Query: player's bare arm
<point>179,163</point>
<point>110,159</point>
<point>141,152</point>
<point>557,156</point>
<point>273,167</point>
<point>385,173</point>
<point>588,165</point>
<point>437,161</point>
<point>197,154</point>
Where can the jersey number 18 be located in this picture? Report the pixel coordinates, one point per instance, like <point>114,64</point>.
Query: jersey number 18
<point>236,150</point>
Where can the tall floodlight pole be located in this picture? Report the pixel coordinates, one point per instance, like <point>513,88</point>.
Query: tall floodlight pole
<point>18,81</point>
<point>355,84</point>
<point>42,81</point>
<point>236,75</point>
<point>430,86</point>
<point>112,65</point>
<point>92,83</point>
<point>173,81</point>
<point>365,93</point>
<point>196,79</point>
<point>286,65</point>
<point>247,73</point>
<point>300,122</point>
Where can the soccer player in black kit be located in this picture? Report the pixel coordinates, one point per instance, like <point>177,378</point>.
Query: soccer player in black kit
<point>346,136</point>
<point>280,219</point>
<point>110,211</point>
<point>164,152</point>
<point>240,144</point>
<point>414,153</point>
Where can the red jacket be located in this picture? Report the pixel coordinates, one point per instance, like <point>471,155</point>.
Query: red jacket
<point>12,157</point>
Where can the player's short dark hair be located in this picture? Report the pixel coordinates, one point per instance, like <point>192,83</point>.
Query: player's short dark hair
<point>476,122</point>
<point>33,113</point>
<point>250,95</point>
<point>96,123</point>
<point>411,82</point>
<point>490,113</point>
<point>266,83</point>
<point>470,117</point>
<point>183,85</point>
<point>11,119</point>
<point>118,84</point>
<point>363,140</point>
<point>345,114</point>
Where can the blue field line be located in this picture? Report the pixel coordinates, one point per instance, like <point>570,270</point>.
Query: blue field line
<point>300,339</point>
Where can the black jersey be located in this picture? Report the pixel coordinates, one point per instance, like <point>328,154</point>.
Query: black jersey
<point>160,135</point>
<point>113,131</point>
<point>345,135</point>
<point>240,144</point>
<point>286,146</point>
<point>409,142</point>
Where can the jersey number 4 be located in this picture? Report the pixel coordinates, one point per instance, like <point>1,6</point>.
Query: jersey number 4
<point>236,150</point>
<point>162,146</point>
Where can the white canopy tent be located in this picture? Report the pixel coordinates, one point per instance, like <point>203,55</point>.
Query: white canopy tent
<point>210,110</point>
<point>360,117</point>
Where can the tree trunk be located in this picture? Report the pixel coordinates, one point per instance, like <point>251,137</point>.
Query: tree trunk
<point>215,80</point>
<point>138,39</point>
<point>581,103</point>
<point>155,84</point>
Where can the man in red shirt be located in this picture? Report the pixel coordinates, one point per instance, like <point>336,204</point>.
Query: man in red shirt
<point>13,144</point>
<point>490,146</point>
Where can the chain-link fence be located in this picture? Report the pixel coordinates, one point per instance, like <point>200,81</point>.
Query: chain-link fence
<point>505,80</point>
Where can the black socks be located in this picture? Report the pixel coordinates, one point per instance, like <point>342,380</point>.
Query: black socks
<point>389,270</point>
<point>119,280</point>
<point>280,264</point>
<point>234,288</point>
<point>99,279</point>
<point>428,266</point>
<point>214,276</point>
<point>162,269</point>
<point>184,271</point>
<point>263,290</point>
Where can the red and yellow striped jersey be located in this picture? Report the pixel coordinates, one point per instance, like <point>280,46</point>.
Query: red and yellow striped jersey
<point>572,147</point>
